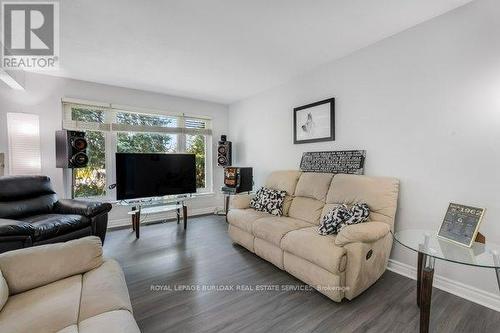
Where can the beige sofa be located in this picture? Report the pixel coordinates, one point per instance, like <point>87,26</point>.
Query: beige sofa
<point>66,288</point>
<point>338,266</point>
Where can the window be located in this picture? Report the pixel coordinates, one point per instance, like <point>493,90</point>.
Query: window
<point>91,180</point>
<point>146,143</point>
<point>117,129</point>
<point>195,144</point>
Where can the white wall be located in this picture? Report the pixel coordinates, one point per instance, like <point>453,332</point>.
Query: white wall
<point>43,97</point>
<point>425,104</point>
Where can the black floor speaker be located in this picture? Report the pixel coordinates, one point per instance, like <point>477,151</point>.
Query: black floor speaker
<point>224,153</point>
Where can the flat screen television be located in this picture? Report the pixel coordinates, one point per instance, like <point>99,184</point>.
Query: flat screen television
<point>154,175</point>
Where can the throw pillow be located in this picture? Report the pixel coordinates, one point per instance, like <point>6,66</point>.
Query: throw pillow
<point>333,219</point>
<point>359,214</point>
<point>269,200</point>
<point>342,216</point>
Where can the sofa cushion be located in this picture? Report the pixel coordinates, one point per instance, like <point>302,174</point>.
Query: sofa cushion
<point>283,180</point>
<point>52,225</point>
<point>272,229</point>
<point>69,329</point>
<point>244,218</point>
<point>52,262</point>
<point>16,228</point>
<point>313,185</point>
<point>380,193</point>
<point>120,321</point>
<point>44,309</point>
<point>306,209</point>
<point>320,250</point>
<point>4,291</point>
<point>104,289</point>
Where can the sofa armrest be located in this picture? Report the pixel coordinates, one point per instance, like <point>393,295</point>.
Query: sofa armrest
<point>362,232</point>
<point>240,201</point>
<point>80,207</point>
<point>37,266</point>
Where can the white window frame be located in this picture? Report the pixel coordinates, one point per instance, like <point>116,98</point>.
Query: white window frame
<point>110,129</point>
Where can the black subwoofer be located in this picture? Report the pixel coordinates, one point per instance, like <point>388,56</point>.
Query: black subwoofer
<point>71,149</point>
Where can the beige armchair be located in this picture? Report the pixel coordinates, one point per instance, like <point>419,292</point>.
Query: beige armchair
<point>64,287</point>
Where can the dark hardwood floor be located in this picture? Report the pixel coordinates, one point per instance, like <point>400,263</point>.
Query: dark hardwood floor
<point>168,257</point>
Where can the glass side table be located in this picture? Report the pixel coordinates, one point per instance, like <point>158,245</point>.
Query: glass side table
<point>429,247</point>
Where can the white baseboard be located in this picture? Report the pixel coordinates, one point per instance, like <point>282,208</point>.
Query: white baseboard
<point>119,223</point>
<point>453,287</point>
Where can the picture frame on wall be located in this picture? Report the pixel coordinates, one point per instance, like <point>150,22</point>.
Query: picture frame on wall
<point>314,122</point>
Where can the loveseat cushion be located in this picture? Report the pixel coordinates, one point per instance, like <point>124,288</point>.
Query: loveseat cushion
<point>4,291</point>
<point>320,250</point>
<point>244,218</point>
<point>49,308</point>
<point>51,263</point>
<point>120,321</point>
<point>69,329</point>
<point>52,225</point>
<point>272,229</point>
<point>104,289</point>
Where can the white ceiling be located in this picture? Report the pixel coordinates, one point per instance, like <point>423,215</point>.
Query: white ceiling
<point>223,50</point>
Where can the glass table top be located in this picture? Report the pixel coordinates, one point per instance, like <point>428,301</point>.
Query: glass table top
<point>427,242</point>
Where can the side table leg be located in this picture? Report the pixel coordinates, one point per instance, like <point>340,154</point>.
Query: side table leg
<point>184,216</point>
<point>226,205</point>
<point>178,210</point>
<point>498,277</point>
<point>137,224</point>
<point>419,275</point>
<point>426,295</point>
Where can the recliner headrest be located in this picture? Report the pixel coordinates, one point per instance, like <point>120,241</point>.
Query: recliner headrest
<point>24,187</point>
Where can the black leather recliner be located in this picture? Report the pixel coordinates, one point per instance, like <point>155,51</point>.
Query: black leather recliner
<point>31,214</point>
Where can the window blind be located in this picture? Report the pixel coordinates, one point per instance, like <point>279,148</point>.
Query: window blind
<point>109,117</point>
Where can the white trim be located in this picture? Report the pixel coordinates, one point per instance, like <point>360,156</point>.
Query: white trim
<point>129,108</point>
<point>459,289</point>
<point>122,222</point>
<point>69,100</point>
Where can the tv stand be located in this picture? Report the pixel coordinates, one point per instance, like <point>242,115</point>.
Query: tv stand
<point>177,205</point>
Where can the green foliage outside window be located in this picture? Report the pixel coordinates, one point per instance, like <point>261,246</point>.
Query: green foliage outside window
<point>195,144</point>
<point>91,180</point>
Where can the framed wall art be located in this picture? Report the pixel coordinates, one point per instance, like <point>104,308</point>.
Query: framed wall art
<point>314,122</point>
<point>461,224</point>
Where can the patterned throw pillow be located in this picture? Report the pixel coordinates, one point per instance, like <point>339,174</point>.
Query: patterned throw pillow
<point>269,200</point>
<point>342,216</point>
